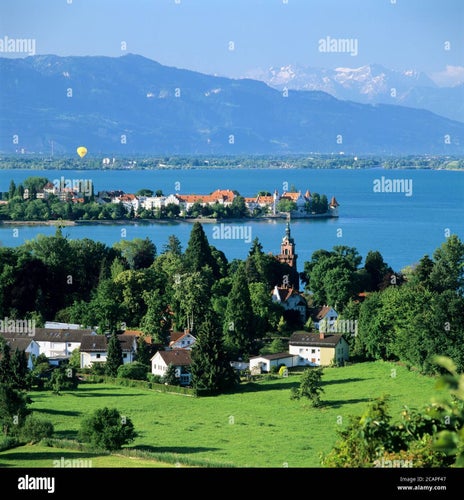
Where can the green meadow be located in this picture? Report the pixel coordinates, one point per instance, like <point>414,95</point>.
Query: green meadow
<point>260,426</point>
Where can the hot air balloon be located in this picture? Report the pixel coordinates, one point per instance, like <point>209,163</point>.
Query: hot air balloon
<point>81,151</point>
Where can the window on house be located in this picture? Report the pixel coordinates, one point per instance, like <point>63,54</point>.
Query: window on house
<point>124,355</point>
<point>313,351</point>
<point>98,356</point>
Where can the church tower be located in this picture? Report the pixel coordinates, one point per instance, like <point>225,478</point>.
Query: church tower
<point>288,256</point>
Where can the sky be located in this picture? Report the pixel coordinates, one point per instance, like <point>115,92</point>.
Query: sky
<point>234,38</point>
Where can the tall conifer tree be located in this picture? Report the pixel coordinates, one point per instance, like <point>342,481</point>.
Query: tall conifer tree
<point>211,370</point>
<point>239,317</point>
<point>114,359</point>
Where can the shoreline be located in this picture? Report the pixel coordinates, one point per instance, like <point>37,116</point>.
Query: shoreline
<point>69,223</point>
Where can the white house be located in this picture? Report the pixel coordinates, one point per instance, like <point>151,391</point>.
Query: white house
<point>179,358</point>
<point>181,340</point>
<point>319,349</point>
<point>325,318</point>
<point>57,344</point>
<point>264,363</point>
<point>94,349</point>
<point>290,299</point>
<point>26,344</point>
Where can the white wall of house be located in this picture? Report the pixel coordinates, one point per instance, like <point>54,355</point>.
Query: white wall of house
<point>33,349</point>
<point>59,349</point>
<point>158,366</point>
<point>185,342</point>
<point>262,364</point>
<point>309,356</point>
<point>88,358</point>
<point>328,321</point>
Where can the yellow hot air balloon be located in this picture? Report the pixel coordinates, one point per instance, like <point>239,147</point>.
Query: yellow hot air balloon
<point>81,151</point>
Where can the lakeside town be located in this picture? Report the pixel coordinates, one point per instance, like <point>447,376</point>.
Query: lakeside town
<point>39,199</point>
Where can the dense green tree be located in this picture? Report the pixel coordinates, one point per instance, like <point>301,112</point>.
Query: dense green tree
<point>143,354</point>
<point>266,312</point>
<point>139,253</point>
<point>56,255</point>
<point>286,205</point>
<point>11,190</point>
<point>13,408</point>
<point>239,318</point>
<point>6,372</point>
<point>211,370</point>
<point>375,337</point>
<point>198,254</point>
<point>114,358</point>
<point>107,429</point>
<point>448,266</point>
<point>421,273</point>
<point>376,269</point>
<point>156,322</point>
<point>310,386</point>
<point>238,208</point>
<point>173,245</point>
<point>92,262</point>
<point>134,285</point>
<point>192,298</point>
<point>107,308</point>
<point>19,370</point>
<point>63,378</point>
<point>171,377</point>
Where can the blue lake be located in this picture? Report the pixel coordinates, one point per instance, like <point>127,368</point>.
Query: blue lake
<point>402,225</point>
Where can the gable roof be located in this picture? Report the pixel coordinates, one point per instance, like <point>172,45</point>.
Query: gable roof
<point>314,339</point>
<point>99,343</point>
<point>322,312</point>
<point>127,342</point>
<point>285,293</point>
<point>176,357</point>
<point>94,343</point>
<point>59,335</point>
<point>20,343</point>
<point>176,336</point>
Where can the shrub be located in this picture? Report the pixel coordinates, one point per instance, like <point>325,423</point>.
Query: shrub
<point>35,429</point>
<point>106,429</point>
<point>133,371</point>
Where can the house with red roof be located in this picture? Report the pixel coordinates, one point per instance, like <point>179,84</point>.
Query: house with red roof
<point>180,359</point>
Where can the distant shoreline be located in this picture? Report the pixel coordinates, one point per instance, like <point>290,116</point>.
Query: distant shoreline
<point>156,221</point>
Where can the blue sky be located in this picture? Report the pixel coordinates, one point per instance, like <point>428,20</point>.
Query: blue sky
<point>234,37</point>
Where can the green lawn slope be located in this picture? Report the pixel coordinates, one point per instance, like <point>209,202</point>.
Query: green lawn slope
<point>260,426</point>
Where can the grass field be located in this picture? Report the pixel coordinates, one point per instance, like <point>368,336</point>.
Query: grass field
<point>257,427</point>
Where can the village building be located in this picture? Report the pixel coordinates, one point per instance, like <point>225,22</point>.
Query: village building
<point>319,349</point>
<point>94,349</point>
<point>180,359</point>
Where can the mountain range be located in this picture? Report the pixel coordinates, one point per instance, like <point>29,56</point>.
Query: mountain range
<point>134,105</point>
<point>370,84</point>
